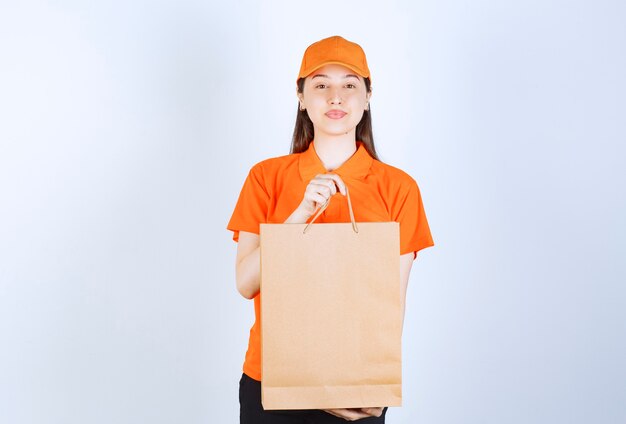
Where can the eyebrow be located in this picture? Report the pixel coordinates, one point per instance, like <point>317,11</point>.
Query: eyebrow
<point>326,76</point>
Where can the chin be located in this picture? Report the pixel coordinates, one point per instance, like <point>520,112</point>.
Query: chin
<point>339,132</point>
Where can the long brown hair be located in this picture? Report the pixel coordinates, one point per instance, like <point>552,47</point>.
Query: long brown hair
<point>303,132</point>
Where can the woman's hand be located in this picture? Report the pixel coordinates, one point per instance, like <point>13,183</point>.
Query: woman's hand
<point>317,192</point>
<point>374,412</point>
<point>353,414</point>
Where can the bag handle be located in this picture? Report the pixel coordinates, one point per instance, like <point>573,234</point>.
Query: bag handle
<point>354,226</point>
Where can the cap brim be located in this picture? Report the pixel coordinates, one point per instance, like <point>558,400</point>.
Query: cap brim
<point>356,69</point>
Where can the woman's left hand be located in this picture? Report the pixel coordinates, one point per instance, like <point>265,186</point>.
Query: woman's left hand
<point>354,414</point>
<point>374,412</point>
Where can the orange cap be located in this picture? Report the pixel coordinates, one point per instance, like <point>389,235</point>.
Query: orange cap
<point>334,49</point>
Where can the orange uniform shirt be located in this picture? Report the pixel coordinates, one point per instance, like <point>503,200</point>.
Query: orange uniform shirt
<point>379,192</point>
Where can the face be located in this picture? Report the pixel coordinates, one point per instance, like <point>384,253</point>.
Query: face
<point>335,99</point>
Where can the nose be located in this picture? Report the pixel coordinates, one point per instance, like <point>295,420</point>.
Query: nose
<point>335,98</point>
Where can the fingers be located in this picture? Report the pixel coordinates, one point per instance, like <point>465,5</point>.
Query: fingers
<point>314,195</point>
<point>333,181</point>
<point>323,186</point>
<point>319,190</point>
<point>374,412</point>
<point>348,414</point>
<point>324,189</point>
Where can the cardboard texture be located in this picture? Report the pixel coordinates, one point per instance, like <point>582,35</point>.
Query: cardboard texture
<point>331,314</point>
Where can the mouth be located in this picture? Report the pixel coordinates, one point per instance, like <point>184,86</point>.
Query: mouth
<point>335,114</point>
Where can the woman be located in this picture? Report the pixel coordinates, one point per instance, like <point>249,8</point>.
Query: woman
<point>332,146</point>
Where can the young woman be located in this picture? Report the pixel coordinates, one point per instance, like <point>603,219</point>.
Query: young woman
<point>332,147</point>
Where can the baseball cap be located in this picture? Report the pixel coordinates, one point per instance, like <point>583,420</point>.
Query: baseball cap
<point>335,49</point>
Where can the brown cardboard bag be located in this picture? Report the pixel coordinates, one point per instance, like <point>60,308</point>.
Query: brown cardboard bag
<point>331,322</point>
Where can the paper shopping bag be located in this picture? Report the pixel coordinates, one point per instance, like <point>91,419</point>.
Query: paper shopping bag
<point>330,314</point>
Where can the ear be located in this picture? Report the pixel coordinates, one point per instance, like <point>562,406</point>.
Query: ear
<point>300,98</point>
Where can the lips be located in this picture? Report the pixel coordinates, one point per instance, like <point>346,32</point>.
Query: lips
<point>335,114</point>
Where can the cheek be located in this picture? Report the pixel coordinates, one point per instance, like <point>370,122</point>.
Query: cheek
<point>358,104</point>
<point>358,97</point>
<point>357,116</point>
<point>318,104</point>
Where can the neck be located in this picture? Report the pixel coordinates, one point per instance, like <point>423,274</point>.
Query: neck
<point>334,151</point>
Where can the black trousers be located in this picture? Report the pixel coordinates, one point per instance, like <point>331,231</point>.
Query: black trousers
<point>251,411</point>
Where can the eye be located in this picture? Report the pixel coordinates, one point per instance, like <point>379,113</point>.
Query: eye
<point>350,85</point>
<point>320,85</point>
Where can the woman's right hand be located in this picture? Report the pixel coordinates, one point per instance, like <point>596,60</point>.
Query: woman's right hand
<point>317,192</point>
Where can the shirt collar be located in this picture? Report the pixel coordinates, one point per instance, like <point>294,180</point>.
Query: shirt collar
<point>357,166</point>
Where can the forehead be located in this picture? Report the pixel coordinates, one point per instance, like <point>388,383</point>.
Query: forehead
<point>334,71</point>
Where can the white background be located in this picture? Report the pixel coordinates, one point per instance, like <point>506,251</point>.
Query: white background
<point>126,132</point>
